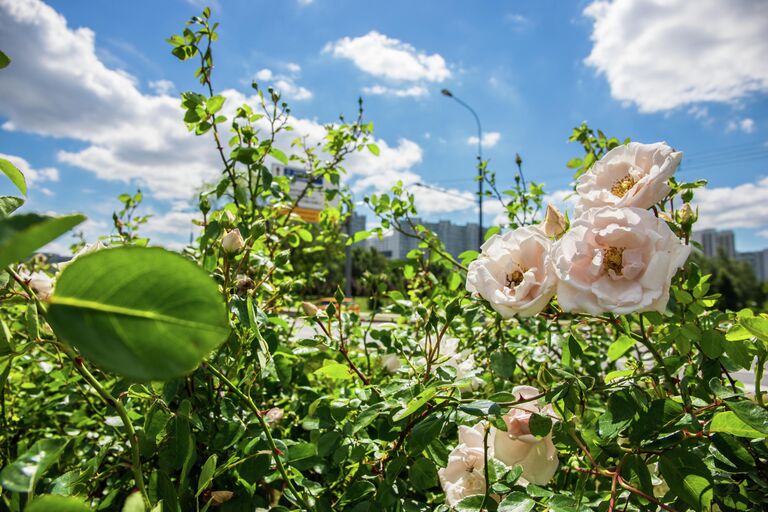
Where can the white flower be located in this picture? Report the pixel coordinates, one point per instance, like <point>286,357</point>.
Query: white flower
<point>518,447</point>
<point>620,260</point>
<point>274,415</point>
<point>391,362</point>
<point>633,174</point>
<point>514,272</point>
<point>41,283</point>
<point>464,475</point>
<point>86,249</point>
<point>232,242</point>
<point>555,224</point>
<point>462,361</point>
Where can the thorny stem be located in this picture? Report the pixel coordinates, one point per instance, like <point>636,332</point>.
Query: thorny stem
<point>300,497</point>
<point>343,351</point>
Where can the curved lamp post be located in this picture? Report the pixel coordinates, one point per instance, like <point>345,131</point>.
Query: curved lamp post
<point>449,94</point>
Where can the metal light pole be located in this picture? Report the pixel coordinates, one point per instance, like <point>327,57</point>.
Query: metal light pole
<point>480,180</point>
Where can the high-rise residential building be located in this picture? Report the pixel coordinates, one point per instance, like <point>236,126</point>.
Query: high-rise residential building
<point>356,223</point>
<point>758,260</point>
<point>456,238</point>
<point>714,242</point>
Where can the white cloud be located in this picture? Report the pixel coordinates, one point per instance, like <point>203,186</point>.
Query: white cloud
<point>162,87</point>
<point>746,125</point>
<point>305,2</point>
<point>763,233</point>
<point>490,139</point>
<point>741,206</point>
<point>33,176</point>
<point>414,91</point>
<point>127,136</point>
<point>662,55</point>
<point>386,57</point>
<point>285,83</point>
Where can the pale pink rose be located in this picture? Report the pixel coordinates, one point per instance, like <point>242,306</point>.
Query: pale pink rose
<point>41,283</point>
<point>464,475</point>
<point>274,415</point>
<point>618,260</point>
<point>391,363</point>
<point>633,174</point>
<point>518,447</point>
<point>514,272</point>
<point>232,242</point>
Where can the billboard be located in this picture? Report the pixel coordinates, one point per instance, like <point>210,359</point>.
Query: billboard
<point>310,206</point>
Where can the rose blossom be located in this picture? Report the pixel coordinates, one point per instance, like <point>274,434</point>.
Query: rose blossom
<point>391,362</point>
<point>86,249</point>
<point>41,283</point>
<point>464,475</point>
<point>462,361</point>
<point>513,272</point>
<point>633,174</point>
<point>620,260</point>
<point>518,447</point>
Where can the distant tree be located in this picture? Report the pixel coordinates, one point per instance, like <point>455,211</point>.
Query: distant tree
<point>734,280</point>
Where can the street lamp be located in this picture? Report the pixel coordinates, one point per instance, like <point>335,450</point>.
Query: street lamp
<point>480,180</point>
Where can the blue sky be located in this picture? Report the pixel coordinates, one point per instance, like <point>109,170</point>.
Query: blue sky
<point>89,102</point>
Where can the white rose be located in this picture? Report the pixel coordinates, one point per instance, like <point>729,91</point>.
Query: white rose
<point>86,249</point>
<point>620,260</point>
<point>464,475</point>
<point>462,361</point>
<point>41,283</point>
<point>633,174</point>
<point>232,242</point>
<point>274,415</point>
<point>514,272</point>
<point>518,447</point>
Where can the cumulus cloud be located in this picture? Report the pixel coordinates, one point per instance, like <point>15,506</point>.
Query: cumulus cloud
<point>386,57</point>
<point>162,87</point>
<point>285,83</point>
<point>746,125</point>
<point>33,176</point>
<point>662,55</point>
<point>741,206</point>
<point>413,91</point>
<point>490,139</point>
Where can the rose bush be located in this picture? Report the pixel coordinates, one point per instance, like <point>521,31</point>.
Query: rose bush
<point>587,366</point>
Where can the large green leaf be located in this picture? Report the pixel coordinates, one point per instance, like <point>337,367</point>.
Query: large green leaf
<point>144,313</point>
<point>21,235</point>
<point>688,477</point>
<point>729,423</point>
<point>9,204</point>
<point>750,413</point>
<point>15,175</point>
<point>4,60</point>
<point>53,502</point>
<point>516,502</point>
<point>23,473</point>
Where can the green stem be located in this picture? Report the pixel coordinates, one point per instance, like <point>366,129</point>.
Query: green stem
<point>759,368</point>
<point>300,497</point>
<point>133,439</point>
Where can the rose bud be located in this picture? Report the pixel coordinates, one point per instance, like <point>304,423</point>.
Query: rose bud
<point>309,308</point>
<point>555,224</point>
<point>232,243</point>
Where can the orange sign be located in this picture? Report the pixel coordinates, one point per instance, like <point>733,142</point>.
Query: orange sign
<point>307,214</point>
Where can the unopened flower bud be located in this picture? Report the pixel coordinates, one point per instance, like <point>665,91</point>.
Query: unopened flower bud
<point>686,215</point>
<point>232,243</point>
<point>309,308</point>
<point>244,283</point>
<point>274,415</point>
<point>555,224</point>
<point>229,217</point>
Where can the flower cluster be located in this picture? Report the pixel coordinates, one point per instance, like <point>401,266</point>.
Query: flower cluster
<point>617,256</point>
<point>517,446</point>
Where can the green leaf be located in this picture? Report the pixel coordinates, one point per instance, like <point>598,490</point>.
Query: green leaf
<point>334,370</point>
<point>6,340</point>
<point>23,473</point>
<point>423,474</point>
<point>374,149</point>
<point>472,503</point>
<point>144,313</point>
<point>619,347</point>
<point>712,344</point>
<point>357,491</point>
<point>206,474</point>
<point>750,413</point>
<point>729,423</point>
<point>279,155</point>
<point>52,502</point>
<point>688,477</point>
<point>22,235</point>
<point>757,325</point>
<point>9,204</point>
<point>415,404</point>
<point>516,501</point>
<point>214,104</point>
<point>617,374</point>
<point>134,503</point>
<point>15,175</point>
<point>503,362</point>
<point>4,60</point>
<point>539,424</point>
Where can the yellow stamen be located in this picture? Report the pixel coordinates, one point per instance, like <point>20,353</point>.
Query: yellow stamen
<point>622,186</point>
<point>514,279</point>
<point>613,259</point>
